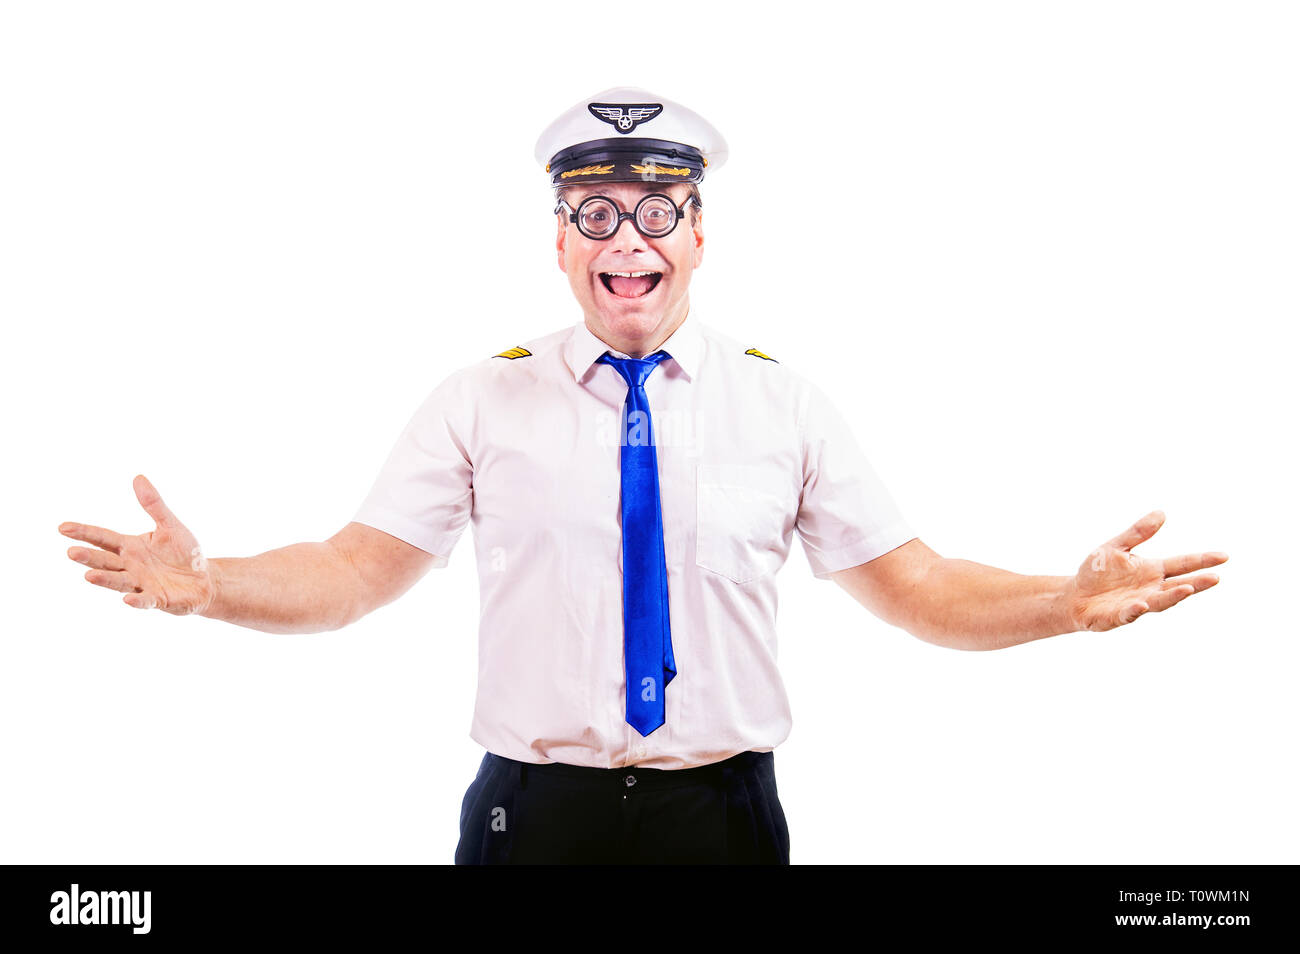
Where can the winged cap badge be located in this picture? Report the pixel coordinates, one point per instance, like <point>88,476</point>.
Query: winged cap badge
<point>625,116</point>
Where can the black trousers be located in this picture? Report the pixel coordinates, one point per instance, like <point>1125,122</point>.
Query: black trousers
<point>724,813</point>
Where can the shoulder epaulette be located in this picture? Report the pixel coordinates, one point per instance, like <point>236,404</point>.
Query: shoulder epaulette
<point>513,353</point>
<point>758,354</point>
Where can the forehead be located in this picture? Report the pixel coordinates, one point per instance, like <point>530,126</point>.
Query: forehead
<point>627,191</point>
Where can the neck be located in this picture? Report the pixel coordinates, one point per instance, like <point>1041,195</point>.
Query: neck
<point>640,347</point>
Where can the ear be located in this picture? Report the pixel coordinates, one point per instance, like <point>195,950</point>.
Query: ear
<point>697,236</point>
<point>562,232</point>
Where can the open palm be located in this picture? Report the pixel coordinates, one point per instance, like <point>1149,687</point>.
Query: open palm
<point>163,569</point>
<point>1115,586</point>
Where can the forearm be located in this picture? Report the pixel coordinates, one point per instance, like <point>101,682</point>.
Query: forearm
<point>972,606</point>
<point>303,588</point>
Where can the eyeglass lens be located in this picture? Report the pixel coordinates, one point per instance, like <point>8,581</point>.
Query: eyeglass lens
<point>598,217</point>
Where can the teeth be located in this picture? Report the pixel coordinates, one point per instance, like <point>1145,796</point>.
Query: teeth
<point>628,274</point>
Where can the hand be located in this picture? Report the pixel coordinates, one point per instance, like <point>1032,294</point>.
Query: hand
<point>1115,586</point>
<point>163,569</point>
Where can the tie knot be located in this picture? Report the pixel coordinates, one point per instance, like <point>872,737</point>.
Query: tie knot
<point>635,370</point>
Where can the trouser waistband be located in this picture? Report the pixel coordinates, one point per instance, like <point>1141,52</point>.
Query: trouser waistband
<point>634,776</point>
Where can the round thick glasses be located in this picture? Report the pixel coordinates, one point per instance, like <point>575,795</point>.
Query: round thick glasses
<point>598,217</point>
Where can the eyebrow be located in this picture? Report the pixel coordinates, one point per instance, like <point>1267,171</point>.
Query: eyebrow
<point>580,196</point>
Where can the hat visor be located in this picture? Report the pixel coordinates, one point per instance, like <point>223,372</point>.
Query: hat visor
<point>627,160</point>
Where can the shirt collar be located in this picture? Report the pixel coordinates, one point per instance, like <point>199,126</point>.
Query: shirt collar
<point>685,345</point>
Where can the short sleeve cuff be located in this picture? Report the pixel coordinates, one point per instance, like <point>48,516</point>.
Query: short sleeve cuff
<point>417,535</point>
<point>878,544</point>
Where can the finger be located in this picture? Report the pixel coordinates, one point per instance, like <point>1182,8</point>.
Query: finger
<point>140,601</point>
<point>113,581</point>
<point>100,559</point>
<point>1142,530</point>
<point>99,536</point>
<point>1197,583</point>
<point>152,502</point>
<point>1177,566</point>
<point>1175,591</point>
<point>1167,598</point>
<point>1133,611</point>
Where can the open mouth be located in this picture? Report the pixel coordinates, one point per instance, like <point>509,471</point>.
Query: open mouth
<point>630,284</point>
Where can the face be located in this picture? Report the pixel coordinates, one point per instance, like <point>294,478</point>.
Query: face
<point>642,310</point>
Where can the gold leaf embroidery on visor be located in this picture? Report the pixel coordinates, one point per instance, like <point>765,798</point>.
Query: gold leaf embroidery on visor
<point>588,171</point>
<point>661,170</point>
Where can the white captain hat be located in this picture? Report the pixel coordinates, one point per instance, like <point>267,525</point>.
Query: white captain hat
<point>626,134</point>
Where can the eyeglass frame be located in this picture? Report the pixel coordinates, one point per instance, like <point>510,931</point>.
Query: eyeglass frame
<point>623,216</point>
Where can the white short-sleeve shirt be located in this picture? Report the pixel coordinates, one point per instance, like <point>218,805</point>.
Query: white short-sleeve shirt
<point>525,447</point>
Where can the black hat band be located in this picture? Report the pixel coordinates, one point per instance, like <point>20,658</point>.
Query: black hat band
<point>626,160</point>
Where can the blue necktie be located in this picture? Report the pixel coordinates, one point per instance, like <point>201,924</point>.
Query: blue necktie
<point>647,643</point>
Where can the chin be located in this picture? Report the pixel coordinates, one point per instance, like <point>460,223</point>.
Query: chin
<point>635,324</point>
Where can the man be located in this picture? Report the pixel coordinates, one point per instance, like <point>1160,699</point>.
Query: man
<point>634,481</point>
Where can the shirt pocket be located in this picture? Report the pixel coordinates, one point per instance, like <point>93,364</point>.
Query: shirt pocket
<point>740,521</point>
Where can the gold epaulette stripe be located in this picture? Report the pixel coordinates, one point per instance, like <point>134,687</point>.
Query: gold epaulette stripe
<point>514,353</point>
<point>758,354</point>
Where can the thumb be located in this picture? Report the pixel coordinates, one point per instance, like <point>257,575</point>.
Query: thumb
<point>152,502</point>
<point>1144,529</point>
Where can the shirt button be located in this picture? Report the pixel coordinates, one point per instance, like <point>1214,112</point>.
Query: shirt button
<point>630,781</point>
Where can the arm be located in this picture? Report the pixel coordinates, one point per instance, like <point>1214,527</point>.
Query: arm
<point>313,587</point>
<point>957,603</point>
<point>965,605</point>
<point>303,588</point>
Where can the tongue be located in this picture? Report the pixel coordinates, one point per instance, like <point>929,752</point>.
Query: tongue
<point>630,287</point>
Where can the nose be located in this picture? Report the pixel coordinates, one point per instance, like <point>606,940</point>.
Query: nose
<point>627,239</point>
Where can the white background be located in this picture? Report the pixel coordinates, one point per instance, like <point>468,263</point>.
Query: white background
<point>1043,255</point>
